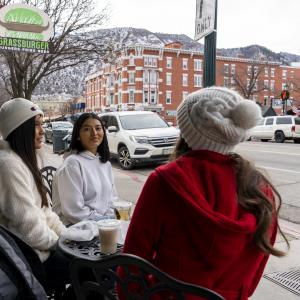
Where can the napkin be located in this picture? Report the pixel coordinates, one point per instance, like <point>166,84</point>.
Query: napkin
<point>81,231</point>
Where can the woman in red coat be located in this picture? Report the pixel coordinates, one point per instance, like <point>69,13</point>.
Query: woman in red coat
<point>209,217</point>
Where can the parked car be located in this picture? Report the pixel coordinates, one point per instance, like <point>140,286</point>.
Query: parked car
<point>279,128</point>
<point>139,137</point>
<point>63,125</point>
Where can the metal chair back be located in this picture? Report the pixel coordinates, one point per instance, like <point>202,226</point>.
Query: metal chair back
<point>133,277</point>
<point>47,175</point>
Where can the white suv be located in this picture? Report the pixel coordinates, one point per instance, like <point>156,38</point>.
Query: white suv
<point>279,128</point>
<point>138,137</point>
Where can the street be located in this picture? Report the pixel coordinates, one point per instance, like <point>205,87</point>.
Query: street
<point>280,161</point>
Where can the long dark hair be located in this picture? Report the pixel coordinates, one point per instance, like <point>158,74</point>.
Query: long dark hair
<point>103,149</point>
<point>22,142</point>
<point>250,196</point>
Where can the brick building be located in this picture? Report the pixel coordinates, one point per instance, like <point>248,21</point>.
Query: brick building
<point>158,79</point>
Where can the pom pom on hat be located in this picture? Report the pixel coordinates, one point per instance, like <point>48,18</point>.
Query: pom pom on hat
<point>246,114</point>
<point>216,119</point>
<point>15,112</point>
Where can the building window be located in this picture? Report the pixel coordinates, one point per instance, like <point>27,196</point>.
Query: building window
<point>169,78</point>
<point>111,98</point>
<point>266,71</point>
<point>232,69</point>
<point>131,77</point>
<point>272,85</point>
<point>232,82</point>
<point>272,72</point>
<point>131,96</point>
<point>266,100</point>
<point>111,80</point>
<point>153,97</point>
<point>197,80</point>
<point>197,64</point>
<point>119,97</point>
<point>284,73</point>
<point>226,81</point>
<point>266,84</point>
<point>255,70</point>
<point>168,97</point>
<point>120,79</point>
<point>249,70</point>
<point>292,74</point>
<point>185,63</point>
<point>146,97</point>
<point>153,77</point>
<point>255,85</point>
<point>185,79</point>
<point>146,76</point>
<point>169,62</point>
<point>184,95</point>
<point>131,60</point>
<point>226,68</point>
<point>150,61</point>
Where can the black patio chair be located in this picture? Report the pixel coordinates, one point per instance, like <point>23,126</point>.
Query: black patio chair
<point>99,279</point>
<point>47,175</point>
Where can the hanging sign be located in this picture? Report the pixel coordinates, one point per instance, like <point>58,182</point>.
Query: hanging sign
<point>25,28</point>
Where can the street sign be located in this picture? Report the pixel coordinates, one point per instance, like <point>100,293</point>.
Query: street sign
<point>205,18</point>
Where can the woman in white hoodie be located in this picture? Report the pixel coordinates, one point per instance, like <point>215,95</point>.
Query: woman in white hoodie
<point>83,187</point>
<point>24,208</point>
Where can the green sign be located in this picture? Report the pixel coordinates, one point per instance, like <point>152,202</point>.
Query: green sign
<point>25,28</point>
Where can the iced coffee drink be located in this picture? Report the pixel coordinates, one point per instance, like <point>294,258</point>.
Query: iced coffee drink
<point>108,234</point>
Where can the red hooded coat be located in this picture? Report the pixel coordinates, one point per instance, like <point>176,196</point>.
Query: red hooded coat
<point>188,223</point>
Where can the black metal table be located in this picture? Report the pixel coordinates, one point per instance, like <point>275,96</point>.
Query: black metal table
<point>89,250</point>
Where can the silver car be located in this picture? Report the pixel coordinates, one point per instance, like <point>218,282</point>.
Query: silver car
<point>61,125</point>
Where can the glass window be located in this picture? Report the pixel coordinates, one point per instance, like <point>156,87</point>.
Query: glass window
<point>168,97</point>
<point>266,71</point>
<point>169,62</point>
<point>153,77</point>
<point>185,63</point>
<point>131,77</point>
<point>197,64</point>
<point>269,121</point>
<point>185,79</point>
<point>131,96</point>
<point>146,76</point>
<point>169,78</point>
<point>297,121</point>
<point>232,69</point>
<point>226,68</point>
<point>142,121</point>
<point>272,72</point>
<point>284,120</point>
<point>146,96</point>
<point>284,73</point>
<point>198,80</point>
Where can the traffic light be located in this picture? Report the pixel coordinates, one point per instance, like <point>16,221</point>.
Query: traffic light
<point>285,95</point>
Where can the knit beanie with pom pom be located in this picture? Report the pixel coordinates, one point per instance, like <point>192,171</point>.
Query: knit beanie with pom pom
<point>216,119</point>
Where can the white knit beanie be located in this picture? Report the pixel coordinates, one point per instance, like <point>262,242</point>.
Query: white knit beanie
<point>216,119</point>
<point>15,112</point>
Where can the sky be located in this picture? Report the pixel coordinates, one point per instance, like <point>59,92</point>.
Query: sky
<point>274,24</point>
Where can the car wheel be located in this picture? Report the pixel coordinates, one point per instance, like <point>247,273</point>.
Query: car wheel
<point>264,140</point>
<point>124,158</point>
<point>279,137</point>
<point>297,141</point>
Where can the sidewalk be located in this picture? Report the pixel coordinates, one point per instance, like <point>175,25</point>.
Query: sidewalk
<point>267,289</point>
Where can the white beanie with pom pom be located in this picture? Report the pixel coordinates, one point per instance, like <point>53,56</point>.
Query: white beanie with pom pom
<point>216,119</point>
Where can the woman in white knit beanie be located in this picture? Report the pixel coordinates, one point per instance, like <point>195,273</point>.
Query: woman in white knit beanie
<point>209,217</point>
<point>24,209</point>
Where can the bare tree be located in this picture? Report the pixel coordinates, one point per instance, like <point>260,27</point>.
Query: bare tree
<point>72,44</point>
<point>248,79</point>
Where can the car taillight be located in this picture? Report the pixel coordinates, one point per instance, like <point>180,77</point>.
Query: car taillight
<point>293,128</point>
